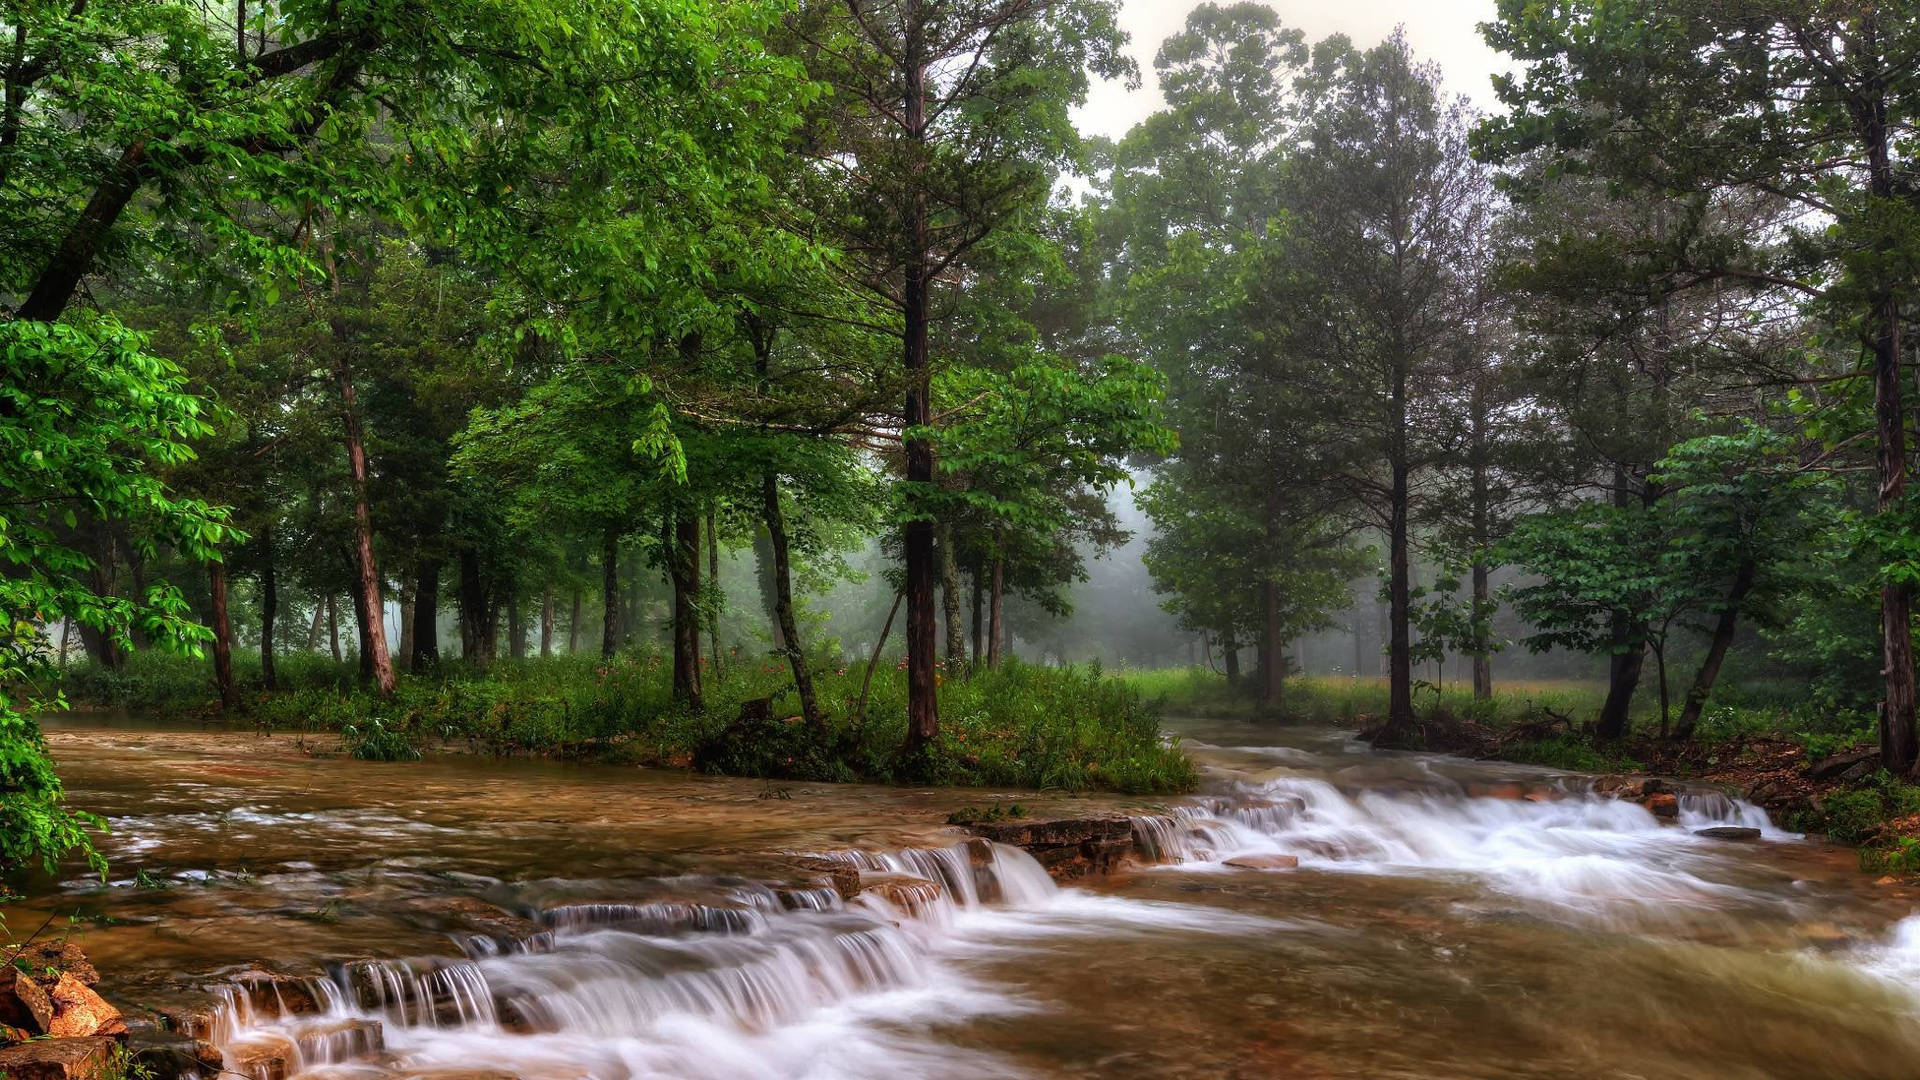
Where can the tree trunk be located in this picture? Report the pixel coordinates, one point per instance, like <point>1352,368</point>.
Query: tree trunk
<point>1399,728</point>
<point>1229,657</point>
<point>866,681</point>
<point>950,603</point>
<point>407,595</point>
<point>426,618</point>
<point>363,656</point>
<point>476,611</point>
<point>713,591</point>
<point>1660,670</point>
<point>333,628</point>
<point>684,568</point>
<point>313,632</point>
<point>546,622</point>
<point>367,591</point>
<point>66,641</point>
<point>769,601</point>
<point>996,629</point>
<point>1898,750</point>
<point>1628,654</point>
<point>516,627</point>
<point>222,637</point>
<point>1273,659</point>
<point>1482,618</point>
<point>269,611</point>
<point>978,614</point>
<point>609,592</point>
<point>1709,673</point>
<point>923,696</point>
<point>573,623</point>
<point>786,628</point>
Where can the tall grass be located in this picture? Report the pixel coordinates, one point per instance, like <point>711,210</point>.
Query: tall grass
<point>1068,729</point>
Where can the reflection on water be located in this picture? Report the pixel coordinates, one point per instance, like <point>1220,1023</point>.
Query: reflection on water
<point>1445,919</point>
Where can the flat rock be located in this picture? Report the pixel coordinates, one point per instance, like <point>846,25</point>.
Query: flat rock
<point>907,893</point>
<point>1055,832</point>
<point>1729,832</point>
<point>1833,766</point>
<point>1264,862</point>
<point>60,1059</point>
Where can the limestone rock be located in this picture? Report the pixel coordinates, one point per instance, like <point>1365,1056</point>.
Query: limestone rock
<point>1264,862</point>
<point>60,1059</point>
<point>24,1003</point>
<point>1068,848</point>
<point>79,1012</point>
<point>907,893</point>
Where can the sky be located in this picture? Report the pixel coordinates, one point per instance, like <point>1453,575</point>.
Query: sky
<point>1443,31</point>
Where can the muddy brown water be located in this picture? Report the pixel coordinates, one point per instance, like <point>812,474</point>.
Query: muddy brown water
<point>1431,930</point>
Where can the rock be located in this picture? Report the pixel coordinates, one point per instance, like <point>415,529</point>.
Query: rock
<point>277,995</point>
<point>1068,848</point>
<point>1651,787</point>
<point>906,893</point>
<point>58,956</point>
<point>1664,804</point>
<point>60,1059</point>
<point>1832,766</point>
<point>339,1040</point>
<point>843,876</point>
<point>1264,862</point>
<point>24,1003</point>
<point>1860,771</point>
<point>261,1056</point>
<point>472,915</point>
<point>79,1012</point>
<point>1729,832</point>
<point>1614,784</point>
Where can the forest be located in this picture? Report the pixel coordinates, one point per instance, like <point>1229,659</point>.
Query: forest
<point>530,373</point>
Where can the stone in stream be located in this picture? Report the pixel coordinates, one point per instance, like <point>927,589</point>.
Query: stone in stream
<point>1264,862</point>
<point>260,1056</point>
<point>1067,848</point>
<point>1729,832</point>
<point>277,995</point>
<point>85,1058</point>
<point>908,894</point>
<point>1664,804</point>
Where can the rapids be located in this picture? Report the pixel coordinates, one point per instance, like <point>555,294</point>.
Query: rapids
<point>467,918</point>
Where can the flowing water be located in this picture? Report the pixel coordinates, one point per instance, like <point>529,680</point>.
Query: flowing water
<point>468,918</point>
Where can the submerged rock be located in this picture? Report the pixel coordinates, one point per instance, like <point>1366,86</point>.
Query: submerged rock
<point>85,1058</point>
<point>1729,832</point>
<point>1264,862</point>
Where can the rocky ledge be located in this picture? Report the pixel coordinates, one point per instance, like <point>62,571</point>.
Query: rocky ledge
<point>1069,848</point>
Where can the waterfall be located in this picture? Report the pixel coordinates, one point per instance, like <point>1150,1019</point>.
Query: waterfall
<point>601,978</point>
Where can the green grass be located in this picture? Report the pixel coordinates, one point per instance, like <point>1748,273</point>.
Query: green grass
<point>1056,729</point>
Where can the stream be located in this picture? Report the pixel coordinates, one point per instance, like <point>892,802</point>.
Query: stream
<point>466,918</point>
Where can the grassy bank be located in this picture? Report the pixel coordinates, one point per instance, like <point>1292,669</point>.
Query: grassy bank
<point>1072,729</point>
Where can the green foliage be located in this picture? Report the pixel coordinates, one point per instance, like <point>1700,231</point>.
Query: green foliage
<point>1571,752</point>
<point>987,815</point>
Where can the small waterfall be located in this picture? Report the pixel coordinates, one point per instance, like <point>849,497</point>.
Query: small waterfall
<point>753,959</point>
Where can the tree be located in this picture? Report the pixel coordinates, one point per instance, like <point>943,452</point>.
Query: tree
<point>1374,287</point>
<point>1803,108</point>
<point>951,119</point>
<point>84,412</point>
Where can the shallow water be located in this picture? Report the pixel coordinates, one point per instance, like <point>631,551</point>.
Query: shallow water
<point>1436,926</point>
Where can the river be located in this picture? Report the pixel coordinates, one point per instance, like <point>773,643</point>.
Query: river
<point>1435,926</point>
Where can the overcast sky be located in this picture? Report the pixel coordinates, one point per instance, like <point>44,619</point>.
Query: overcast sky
<point>1443,31</point>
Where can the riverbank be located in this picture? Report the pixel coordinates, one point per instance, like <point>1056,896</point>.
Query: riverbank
<point>1065,729</point>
